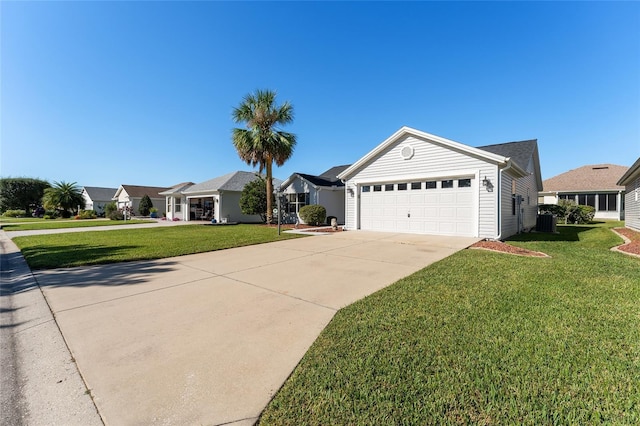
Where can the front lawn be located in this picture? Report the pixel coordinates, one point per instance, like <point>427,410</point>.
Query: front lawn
<point>95,247</point>
<point>60,224</point>
<point>483,338</point>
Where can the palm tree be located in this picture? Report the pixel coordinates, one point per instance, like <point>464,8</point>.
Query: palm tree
<point>63,196</point>
<point>262,142</point>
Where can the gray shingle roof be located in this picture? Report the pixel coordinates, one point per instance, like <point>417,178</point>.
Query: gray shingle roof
<point>234,181</point>
<point>141,191</point>
<point>333,172</point>
<point>595,177</point>
<point>97,193</point>
<point>519,152</point>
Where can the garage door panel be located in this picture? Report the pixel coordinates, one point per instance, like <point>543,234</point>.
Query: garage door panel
<point>448,211</point>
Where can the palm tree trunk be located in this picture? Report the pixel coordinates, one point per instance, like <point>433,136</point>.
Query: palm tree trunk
<point>269,190</point>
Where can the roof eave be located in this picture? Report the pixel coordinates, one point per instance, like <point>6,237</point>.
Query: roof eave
<point>631,174</point>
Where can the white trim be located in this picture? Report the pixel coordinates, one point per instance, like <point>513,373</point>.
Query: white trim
<point>420,177</point>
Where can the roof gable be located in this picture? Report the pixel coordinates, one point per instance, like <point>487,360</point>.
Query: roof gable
<point>140,191</point>
<point>98,193</point>
<point>587,178</point>
<point>234,181</point>
<point>447,143</point>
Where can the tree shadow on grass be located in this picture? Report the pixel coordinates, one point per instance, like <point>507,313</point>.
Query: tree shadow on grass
<point>564,233</point>
<point>50,256</point>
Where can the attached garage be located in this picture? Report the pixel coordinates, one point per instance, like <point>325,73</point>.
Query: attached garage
<point>415,182</point>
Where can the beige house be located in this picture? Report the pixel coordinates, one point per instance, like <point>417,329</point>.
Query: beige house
<point>129,196</point>
<point>594,185</point>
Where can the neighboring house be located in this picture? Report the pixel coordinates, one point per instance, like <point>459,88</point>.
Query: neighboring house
<point>593,185</point>
<point>326,189</point>
<point>415,182</point>
<point>96,198</point>
<point>176,206</point>
<point>218,199</point>
<point>130,196</point>
<point>631,181</point>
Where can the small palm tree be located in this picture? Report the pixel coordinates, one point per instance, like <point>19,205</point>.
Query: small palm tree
<point>63,196</point>
<point>262,142</point>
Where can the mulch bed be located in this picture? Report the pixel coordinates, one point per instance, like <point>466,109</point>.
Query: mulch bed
<point>632,241</point>
<point>308,228</point>
<point>500,247</point>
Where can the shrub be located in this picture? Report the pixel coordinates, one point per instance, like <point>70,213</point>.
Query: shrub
<point>145,205</point>
<point>110,208</point>
<point>116,215</point>
<point>53,214</point>
<point>582,214</point>
<point>313,214</point>
<point>46,216</point>
<point>15,213</point>
<point>87,214</point>
<point>569,211</point>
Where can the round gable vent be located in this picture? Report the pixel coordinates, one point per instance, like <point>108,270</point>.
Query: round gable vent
<point>406,152</point>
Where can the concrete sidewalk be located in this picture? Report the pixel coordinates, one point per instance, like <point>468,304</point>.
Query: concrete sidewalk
<point>39,381</point>
<point>156,224</point>
<point>209,338</point>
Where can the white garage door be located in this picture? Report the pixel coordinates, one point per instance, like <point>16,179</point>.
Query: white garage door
<point>439,207</point>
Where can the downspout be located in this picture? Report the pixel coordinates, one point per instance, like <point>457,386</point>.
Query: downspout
<point>499,236</point>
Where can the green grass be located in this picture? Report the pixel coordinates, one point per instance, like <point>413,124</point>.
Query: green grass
<point>483,338</point>
<point>63,224</point>
<point>97,247</point>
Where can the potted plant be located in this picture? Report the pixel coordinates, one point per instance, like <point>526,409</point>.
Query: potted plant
<point>153,212</point>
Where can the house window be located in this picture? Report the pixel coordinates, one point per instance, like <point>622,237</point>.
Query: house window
<point>607,202</point>
<point>178,206</point>
<point>447,184</point>
<point>388,187</point>
<point>416,185</point>
<point>366,188</point>
<point>296,201</point>
<point>569,197</point>
<point>464,183</point>
<point>402,187</point>
<point>431,184</point>
<point>377,188</point>
<point>587,200</point>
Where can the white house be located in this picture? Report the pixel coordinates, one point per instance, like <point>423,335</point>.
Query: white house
<point>217,198</point>
<point>631,181</point>
<point>129,196</point>
<point>416,182</point>
<point>593,185</point>
<point>326,189</point>
<point>96,198</point>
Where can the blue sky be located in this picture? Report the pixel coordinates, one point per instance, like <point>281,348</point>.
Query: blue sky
<point>141,93</point>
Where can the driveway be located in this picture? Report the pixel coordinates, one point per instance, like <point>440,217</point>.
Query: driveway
<point>209,338</point>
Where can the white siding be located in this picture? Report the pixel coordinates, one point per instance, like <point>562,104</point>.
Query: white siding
<point>509,220</point>
<point>429,160</point>
<point>333,201</point>
<point>632,205</point>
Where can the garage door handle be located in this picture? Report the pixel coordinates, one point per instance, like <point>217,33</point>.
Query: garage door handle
<point>408,214</point>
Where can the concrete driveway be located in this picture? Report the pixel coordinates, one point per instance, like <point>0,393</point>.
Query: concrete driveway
<point>209,338</point>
